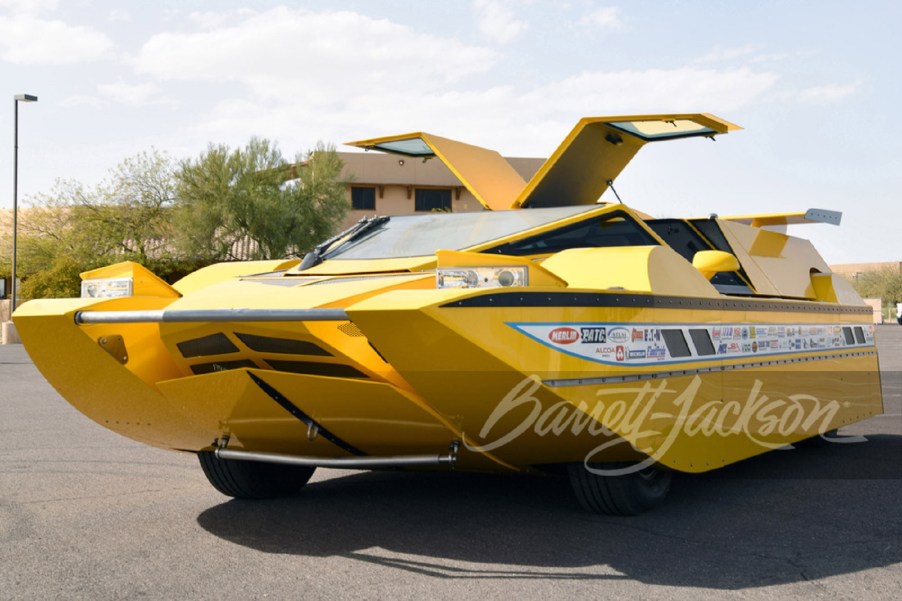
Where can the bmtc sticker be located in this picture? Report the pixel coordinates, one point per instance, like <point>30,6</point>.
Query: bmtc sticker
<point>593,335</point>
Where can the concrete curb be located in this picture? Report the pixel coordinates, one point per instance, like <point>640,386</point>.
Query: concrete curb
<point>8,334</point>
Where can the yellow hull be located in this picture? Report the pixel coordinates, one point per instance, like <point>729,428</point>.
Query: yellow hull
<point>564,333</point>
<point>411,370</point>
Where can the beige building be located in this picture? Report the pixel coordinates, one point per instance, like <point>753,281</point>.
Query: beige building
<point>388,184</point>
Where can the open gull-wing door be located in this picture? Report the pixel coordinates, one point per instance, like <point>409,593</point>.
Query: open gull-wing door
<point>486,174</point>
<point>598,148</point>
<point>578,172</point>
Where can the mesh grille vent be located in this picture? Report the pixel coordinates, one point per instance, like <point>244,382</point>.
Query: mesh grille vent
<point>350,329</point>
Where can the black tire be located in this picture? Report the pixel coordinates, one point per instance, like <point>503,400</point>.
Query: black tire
<point>253,479</point>
<point>629,494</point>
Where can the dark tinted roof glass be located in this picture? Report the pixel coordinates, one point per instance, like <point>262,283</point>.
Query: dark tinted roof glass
<point>614,229</point>
<point>686,241</point>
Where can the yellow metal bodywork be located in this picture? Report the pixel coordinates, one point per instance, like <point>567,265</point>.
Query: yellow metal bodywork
<point>777,264</point>
<point>790,218</point>
<point>487,361</point>
<point>609,354</point>
<point>430,374</point>
<point>711,262</point>
<point>647,269</point>
<point>144,283</point>
<point>222,271</point>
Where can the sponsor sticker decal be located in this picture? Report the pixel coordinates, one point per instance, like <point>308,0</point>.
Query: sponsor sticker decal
<point>593,335</point>
<point>637,344</point>
<point>619,335</point>
<point>656,352</point>
<point>563,335</point>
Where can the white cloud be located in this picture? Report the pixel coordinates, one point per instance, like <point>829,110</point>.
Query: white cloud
<point>497,21</point>
<point>340,75</point>
<point>28,40</point>
<point>117,15</point>
<point>719,54</point>
<point>607,17</point>
<point>132,94</point>
<point>669,90</point>
<point>522,122</point>
<point>773,57</point>
<point>751,54</point>
<point>217,20</point>
<point>81,100</point>
<point>825,94</point>
<point>312,58</point>
<point>29,7</point>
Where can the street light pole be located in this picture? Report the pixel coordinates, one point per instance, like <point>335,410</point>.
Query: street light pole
<point>16,100</point>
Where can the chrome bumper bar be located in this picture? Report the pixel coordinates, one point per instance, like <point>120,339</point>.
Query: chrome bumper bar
<point>218,315</point>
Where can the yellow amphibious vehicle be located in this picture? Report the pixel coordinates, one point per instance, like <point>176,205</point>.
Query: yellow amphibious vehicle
<point>547,333</point>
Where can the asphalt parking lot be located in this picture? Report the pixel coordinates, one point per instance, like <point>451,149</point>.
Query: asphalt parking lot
<point>87,514</point>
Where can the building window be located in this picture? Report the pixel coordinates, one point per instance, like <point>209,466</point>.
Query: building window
<point>432,199</point>
<point>363,199</point>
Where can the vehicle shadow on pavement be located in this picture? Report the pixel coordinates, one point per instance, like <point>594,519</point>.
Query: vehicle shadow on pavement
<point>784,517</point>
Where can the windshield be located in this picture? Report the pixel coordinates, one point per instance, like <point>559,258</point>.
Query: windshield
<point>422,235</point>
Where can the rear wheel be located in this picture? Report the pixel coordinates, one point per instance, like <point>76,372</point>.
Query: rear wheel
<point>629,494</point>
<point>253,479</point>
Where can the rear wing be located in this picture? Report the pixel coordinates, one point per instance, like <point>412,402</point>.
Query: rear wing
<point>794,218</point>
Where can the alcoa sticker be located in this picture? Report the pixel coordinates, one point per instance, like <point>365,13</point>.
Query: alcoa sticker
<point>655,343</point>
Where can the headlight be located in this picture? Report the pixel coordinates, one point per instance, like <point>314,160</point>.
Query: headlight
<point>481,277</point>
<point>107,287</point>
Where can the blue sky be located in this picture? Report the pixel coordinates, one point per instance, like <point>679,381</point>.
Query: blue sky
<point>814,84</point>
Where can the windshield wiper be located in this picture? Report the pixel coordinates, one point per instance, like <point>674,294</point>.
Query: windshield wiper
<point>355,232</point>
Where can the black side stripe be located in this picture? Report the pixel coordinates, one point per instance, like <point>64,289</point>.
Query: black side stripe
<point>591,299</point>
<point>306,419</point>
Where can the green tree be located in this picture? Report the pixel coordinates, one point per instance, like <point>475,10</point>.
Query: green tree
<point>72,228</point>
<point>885,284</point>
<point>243,204</point>
<point>251,203</point>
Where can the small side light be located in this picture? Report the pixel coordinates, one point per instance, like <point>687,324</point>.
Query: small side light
<point>107,288</point>
<point>481,277</point>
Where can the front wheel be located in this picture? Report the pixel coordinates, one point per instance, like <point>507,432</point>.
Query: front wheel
<point>253,479</point>
<point>629,494</point>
